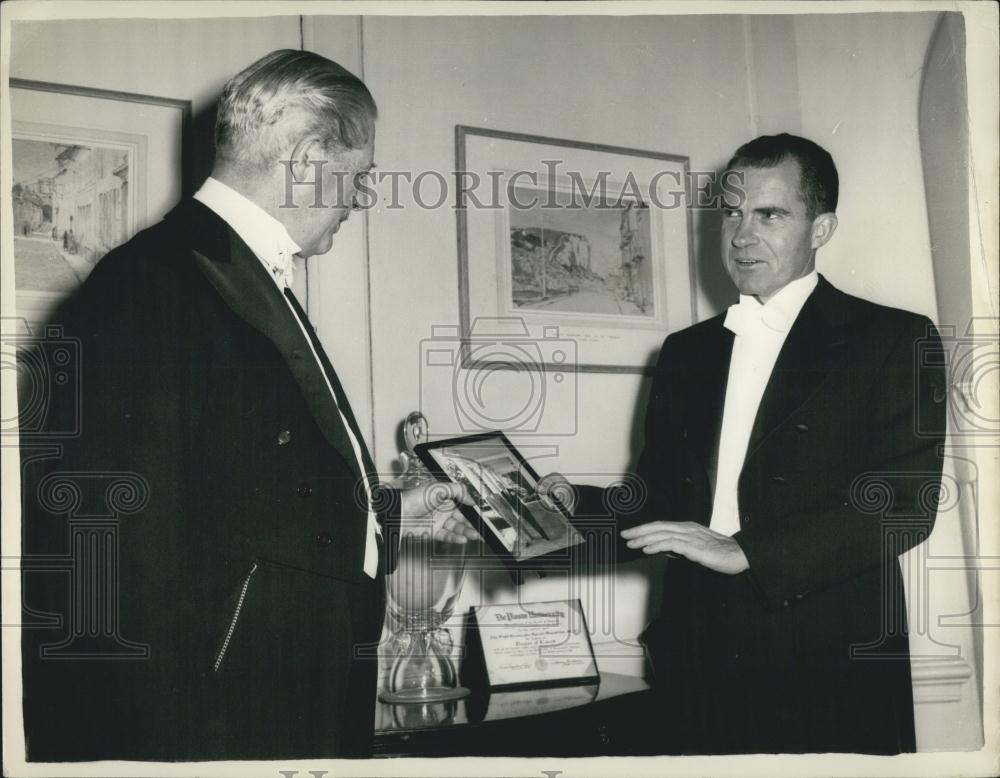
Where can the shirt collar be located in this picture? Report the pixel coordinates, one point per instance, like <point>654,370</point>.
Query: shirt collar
<point>266,236</point>
<point>777,314</point>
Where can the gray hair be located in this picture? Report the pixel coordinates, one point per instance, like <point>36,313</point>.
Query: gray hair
<point>288,94</point>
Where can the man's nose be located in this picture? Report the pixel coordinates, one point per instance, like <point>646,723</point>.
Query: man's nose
<point>744,235</point>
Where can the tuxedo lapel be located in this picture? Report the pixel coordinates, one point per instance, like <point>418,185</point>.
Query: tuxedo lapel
<point>338,389</point>
<point>708,396</point>
<point>247,289</point>
<point>814,348</point>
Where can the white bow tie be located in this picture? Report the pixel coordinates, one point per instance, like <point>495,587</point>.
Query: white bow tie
<point>282,266</point>
<point>748,316</point>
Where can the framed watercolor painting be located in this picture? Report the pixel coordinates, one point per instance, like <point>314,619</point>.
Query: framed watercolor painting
<point>577,241</point>
<point>90,168</point>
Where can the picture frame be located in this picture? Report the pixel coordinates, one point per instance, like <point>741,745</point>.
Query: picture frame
<point>529,645</point>
<point>84,162</point>
<point>566,241</point>
<point>525,529</point>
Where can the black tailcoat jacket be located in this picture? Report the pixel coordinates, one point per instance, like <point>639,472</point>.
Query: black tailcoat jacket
<point>807,651</point>
<point>194,521</point>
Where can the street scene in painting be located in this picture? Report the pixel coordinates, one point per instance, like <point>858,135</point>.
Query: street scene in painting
<point>71,206</point>
<point>583,258</point>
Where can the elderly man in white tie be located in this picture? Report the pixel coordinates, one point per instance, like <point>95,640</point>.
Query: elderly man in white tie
<point>769,430</point>
<point>239,594</point>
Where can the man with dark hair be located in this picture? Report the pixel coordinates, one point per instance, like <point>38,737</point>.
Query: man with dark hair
<point>218,513</point>
<point>818,179</point>
<point>791,454</point>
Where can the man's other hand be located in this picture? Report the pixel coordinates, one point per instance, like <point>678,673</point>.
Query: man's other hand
<point>689,539</point>
<point>432,509</point>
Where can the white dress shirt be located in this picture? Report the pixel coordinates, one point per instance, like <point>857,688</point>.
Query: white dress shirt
<point>274,247</point>
<point>760,333</point>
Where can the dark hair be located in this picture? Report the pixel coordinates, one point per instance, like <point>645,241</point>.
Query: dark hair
<point>290,92</point>
<point>818,178</point>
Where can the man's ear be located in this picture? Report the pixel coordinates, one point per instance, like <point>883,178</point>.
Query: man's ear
<point>824,226</point>
<point>307,159</point>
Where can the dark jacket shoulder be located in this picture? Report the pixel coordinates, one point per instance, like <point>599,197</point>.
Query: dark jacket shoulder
<point>149,278</point>
<point>157,253</point>
<point>838,309</point>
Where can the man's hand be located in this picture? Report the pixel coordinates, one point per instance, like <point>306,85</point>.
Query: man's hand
<point>432,509</point>
<point>692,540</point>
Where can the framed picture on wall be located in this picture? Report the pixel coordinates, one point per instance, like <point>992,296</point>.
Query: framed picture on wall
<point>90,168</point>
<point>576,242</point>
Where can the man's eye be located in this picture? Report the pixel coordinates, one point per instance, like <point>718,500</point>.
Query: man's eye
<point>730,213</point>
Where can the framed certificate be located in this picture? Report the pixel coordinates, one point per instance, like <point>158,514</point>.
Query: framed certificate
<point>525,528</point>
<point>524,645</point>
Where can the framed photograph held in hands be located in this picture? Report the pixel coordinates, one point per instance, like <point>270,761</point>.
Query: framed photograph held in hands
<point>526,529</point>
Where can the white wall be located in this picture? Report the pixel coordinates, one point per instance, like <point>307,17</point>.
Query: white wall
<point>182,58</point>
<point>859,86</point>
<point>957,539</point>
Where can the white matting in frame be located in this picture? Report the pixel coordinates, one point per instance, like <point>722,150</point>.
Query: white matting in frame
<point>83,164</point>
<point>589,241</point>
